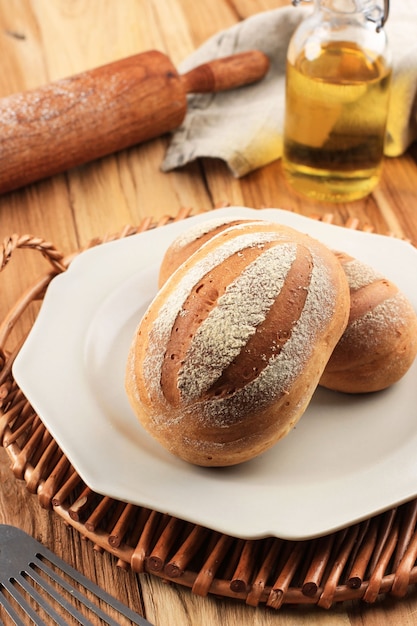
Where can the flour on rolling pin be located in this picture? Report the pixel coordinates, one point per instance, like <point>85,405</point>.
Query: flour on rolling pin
<point>84,117</point>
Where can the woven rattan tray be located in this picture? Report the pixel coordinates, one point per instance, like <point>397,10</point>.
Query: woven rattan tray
<point>374,557</point>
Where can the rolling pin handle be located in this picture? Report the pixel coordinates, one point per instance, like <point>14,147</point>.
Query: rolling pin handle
<point>225,73</point>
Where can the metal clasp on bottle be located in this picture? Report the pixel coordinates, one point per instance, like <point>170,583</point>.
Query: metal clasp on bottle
<point>378,15</point>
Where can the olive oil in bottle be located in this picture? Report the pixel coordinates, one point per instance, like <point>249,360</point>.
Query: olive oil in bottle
<point>337,96</point>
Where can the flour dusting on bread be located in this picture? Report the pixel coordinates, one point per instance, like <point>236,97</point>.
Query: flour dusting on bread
<point>230,351</point>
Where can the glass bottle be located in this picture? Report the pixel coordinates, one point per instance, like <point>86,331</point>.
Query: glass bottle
<point>337,93</point>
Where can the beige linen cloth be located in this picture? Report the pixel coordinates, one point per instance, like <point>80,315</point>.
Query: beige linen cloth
<point>244,126</point>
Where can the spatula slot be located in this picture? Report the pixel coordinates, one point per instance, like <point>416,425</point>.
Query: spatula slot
<point>37,587</point>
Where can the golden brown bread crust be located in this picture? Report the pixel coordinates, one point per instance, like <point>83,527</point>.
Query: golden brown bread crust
<point>230,351</point>
<point>380,341</point>
<point>191,240</point>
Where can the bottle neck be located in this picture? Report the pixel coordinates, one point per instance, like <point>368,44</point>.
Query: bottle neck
<point>337,21</point>
<point>359,9</point>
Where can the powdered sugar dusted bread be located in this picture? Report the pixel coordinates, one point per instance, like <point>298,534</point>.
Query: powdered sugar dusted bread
<point>380,342</point>
<point>230,351</point>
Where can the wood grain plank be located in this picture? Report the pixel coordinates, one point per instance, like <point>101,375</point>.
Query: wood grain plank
<point>204,19</point>
<point>245,8</point>
<point>93,33</point>
<point>21,49</point>
<point>397,194</point>
<point>184,609</point>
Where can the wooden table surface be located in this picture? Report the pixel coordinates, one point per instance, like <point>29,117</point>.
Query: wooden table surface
<point>44,40</point>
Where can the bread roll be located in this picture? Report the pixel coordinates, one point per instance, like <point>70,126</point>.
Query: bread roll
<point>190,240</point>
<point>230,351</point>
<point>380,342</point>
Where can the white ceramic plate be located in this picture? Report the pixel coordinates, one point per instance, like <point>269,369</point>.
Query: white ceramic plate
<point>348,458</point>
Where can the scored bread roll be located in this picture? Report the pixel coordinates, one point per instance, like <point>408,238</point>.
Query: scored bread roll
<point>380,341</point>
<point>191,239</point>
<point>230,351</point>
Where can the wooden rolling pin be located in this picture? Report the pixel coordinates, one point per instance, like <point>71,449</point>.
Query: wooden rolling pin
<point>87,116</point>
